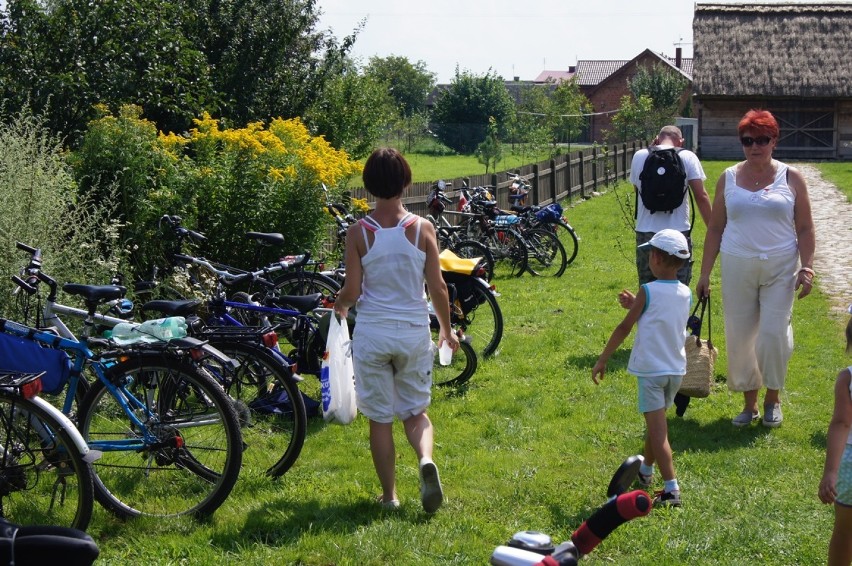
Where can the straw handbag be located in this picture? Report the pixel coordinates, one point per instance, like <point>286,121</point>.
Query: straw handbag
<point>700,355</point>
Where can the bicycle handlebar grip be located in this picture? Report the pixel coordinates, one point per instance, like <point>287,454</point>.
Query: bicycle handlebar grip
<point>46,279</point>
<point>182,257</point>
<point>22,246</point>
<point>608,517</point>
<point>24,285</point>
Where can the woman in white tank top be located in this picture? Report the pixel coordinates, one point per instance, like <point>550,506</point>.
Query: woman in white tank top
<point>762,227</point>
<point>389,257</point>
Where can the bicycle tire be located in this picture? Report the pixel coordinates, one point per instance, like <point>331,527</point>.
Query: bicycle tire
<point>571,242</point>
<point>547,256</point>
<point>483,324</point>
<point>38,456</point>
<point>195,462</point>
<point>306,283</point>
<point>471,249</point>
<point>273,436</point>
<point>510,253</point>
<point>459,371</point>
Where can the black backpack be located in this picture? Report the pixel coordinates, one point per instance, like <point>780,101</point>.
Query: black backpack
<point>663,180</point>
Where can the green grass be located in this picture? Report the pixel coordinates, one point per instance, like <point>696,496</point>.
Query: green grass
<point>839,173</point>
<point>532,443</point>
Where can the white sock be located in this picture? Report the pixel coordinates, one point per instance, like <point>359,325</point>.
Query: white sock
<point>671,485</point>
<point>425,460</point>
<point>646,470</point>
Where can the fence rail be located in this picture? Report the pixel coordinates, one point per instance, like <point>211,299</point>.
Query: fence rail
<point>569,176</point>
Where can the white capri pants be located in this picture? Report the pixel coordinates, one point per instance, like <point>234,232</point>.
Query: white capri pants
<point>757,296</point>
<point>393,369</point>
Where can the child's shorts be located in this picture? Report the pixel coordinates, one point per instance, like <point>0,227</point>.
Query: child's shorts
<point>393,369</point>
<point>844,479</point>
<point>658,392</point>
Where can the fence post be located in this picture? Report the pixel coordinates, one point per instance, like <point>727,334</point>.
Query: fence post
<point>624,161</point>
<point>568,179</point>
<point>595,163</point>
<point>582,174</point>
<point>535,184</point>
<point>552,180</point>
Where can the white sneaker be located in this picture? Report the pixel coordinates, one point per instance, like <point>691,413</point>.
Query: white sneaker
<point>431,493</point>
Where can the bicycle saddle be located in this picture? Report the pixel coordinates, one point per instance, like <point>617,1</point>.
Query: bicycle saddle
<point>266,238</point>
<point>183,307</point>
<point>95,293</point>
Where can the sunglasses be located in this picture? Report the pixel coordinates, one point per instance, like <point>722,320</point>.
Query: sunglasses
<point>762,141</point>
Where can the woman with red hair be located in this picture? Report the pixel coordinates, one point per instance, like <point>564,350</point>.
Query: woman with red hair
<point>761,226</point>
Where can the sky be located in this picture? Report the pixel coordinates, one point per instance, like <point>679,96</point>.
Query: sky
<point>512,38</point>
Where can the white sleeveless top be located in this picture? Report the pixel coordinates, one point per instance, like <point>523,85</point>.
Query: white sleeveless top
<point>394,275</point>
<point>760,223</point>
<point>658,348</point>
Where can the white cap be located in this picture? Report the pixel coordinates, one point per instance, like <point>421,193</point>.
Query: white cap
<point>670,241</point>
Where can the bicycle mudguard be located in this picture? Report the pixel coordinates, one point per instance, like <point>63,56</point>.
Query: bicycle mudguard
<point>69,427</point>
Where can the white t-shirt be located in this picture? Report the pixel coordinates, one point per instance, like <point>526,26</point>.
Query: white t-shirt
<point>677,219</point>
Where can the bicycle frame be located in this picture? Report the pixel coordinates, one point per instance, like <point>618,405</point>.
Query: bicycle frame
<point>126,400</point>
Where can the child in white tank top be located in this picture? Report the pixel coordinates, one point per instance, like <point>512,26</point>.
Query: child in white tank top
<point>836,484</point>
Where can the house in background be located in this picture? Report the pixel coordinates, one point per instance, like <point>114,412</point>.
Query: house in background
<point>794,60</point>
<point>605,82</point>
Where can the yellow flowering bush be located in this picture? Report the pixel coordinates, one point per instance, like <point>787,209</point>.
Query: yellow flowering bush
<point>257,178</point>
<point>224,182</point>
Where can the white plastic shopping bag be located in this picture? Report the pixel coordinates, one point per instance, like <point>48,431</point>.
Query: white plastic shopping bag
<point>338,375</point>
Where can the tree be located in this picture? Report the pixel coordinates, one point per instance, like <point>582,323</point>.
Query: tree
<point>62,58</point>
<point>461,115</point>
<point>635,120</point>
<point>490,151</point>
<point>408,83</point>
<point>354,113</point>
<point>243,60</point>
<point>266,57</point>
<point>664,87</point>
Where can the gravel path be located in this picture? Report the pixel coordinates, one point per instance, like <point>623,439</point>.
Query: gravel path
<point>833,221</point>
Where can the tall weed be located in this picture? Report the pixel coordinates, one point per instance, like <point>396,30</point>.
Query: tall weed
<point>40,206</point>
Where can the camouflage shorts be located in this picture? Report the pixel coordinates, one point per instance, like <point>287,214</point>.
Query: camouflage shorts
<point>684,274</point>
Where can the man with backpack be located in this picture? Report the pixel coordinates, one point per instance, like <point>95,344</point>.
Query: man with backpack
<point>666,178</point>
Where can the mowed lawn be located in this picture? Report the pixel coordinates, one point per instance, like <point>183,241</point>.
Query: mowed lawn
<point>532,442</point>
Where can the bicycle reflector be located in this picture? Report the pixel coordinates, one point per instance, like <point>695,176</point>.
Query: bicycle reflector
<point>270,339</point>
<point>27,385</point>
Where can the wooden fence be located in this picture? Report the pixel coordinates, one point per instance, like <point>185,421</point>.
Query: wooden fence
<point>566,177</point>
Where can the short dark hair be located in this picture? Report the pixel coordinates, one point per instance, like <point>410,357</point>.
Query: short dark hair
<point>386,173</point>
<point>849,336</point>
<point>669,260</point>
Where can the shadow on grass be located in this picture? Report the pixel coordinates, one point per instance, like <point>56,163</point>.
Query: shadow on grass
<point>688,435</point>
<point>283,522</point>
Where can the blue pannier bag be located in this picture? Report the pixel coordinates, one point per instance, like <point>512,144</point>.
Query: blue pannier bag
<point>550,213</point>
<point>20,354</point>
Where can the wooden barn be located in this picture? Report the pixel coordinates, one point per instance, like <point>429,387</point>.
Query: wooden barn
<point>793,59</point>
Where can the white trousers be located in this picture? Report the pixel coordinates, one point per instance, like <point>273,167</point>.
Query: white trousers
<point>757,297</point>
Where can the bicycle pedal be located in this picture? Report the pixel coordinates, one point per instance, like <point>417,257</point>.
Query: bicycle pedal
<point>298,377</point>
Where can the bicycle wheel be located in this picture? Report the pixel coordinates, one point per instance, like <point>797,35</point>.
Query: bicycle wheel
<point>192,463</point>
<point>471,249</point>
<point>482,324</point>
<point>547,255</point>
<point>510,254</point>
<point>43,477</point>
<point>568,237</point>
<point>263,386</point>
<point>306,283</point>
<point>461,368</point>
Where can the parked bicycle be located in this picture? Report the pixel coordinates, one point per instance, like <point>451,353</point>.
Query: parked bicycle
<point>169,435</point>
<point>510,238</point>
<point>45,465</point>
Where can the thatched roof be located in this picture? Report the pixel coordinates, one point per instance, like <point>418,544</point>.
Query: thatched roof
<point>773,50</point>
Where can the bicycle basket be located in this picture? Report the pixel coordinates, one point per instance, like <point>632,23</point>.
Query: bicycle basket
<point>19,354</point>
<point>550,213</point>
